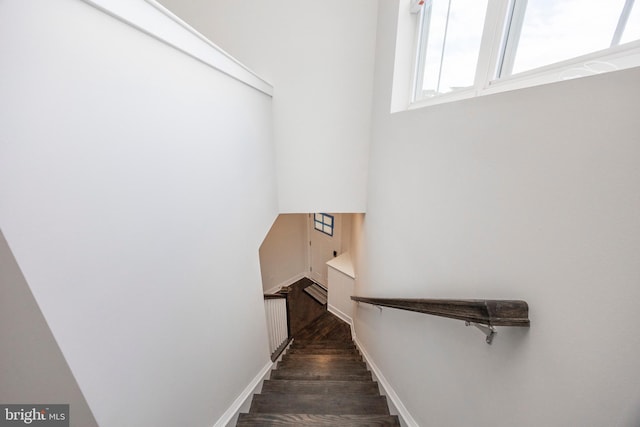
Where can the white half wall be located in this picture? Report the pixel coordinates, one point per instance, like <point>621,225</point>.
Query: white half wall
<point>532,195</point>
<point>340,286</point>
<point>319,57</point>
<point>136,186</point>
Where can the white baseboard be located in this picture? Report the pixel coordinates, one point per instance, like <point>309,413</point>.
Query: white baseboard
<point>288,282</point>
<point>230,416</point>
<point>342,316</point>
<point>405,417</point>
<point>243,402</point>
<point>406,420</point>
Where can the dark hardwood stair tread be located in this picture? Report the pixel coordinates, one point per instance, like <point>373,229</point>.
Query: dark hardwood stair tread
<point>324,340</point>
<point>323,351</point>
<point>325,357</point>
<point>318,340</point>
<point>322,364</point>
<point>323,344</point>
<point>319,376</point>
<point>335,404</point>
<point>315,420</point>
<point>319,387</point>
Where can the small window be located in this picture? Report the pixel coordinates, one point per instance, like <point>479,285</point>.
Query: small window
<point>324,223</point>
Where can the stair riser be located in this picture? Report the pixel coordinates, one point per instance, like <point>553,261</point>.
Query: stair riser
<point>317,346</point>
<point>319,387</point>
<point>323,351</point>
<point>297,420</point>
<point>344,367</point>
<point>275,375</point>
<point>312,404</point>
<point>318,293</point>
<point>327,357</point>
<point>318,369</point>
<point>322,361</point>
<point>318,358</point>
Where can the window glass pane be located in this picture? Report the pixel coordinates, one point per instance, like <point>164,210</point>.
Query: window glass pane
<point>556,30</point>
<point>632,29</point>
<point>453,44</point>
<point>324,223</point>
<point>435,23</point>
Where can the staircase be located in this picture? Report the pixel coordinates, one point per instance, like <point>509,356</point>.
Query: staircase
<point>321,381</point>
<point>317,292</point>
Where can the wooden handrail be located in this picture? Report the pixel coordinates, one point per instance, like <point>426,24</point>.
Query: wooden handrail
<point>486,312</point>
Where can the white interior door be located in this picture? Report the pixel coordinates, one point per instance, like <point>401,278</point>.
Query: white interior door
<point>324,243</point>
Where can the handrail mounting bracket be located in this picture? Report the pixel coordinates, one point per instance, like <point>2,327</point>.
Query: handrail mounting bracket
<point>489,331</point>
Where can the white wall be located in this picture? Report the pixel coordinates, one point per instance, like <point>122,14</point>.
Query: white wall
<point>346,231</point>
<point>32,366</point>
<point>136,185</point>
<point>283,254</point>
<point>319,57</point>
<point>527,195</point>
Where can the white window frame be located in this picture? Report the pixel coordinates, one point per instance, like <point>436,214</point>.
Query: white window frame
<point>494,44</point>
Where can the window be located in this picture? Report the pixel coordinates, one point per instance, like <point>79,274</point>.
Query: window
<point>451,44</point>
<point>544,32</point>
<point>472,47</point>
<point>323,222</point>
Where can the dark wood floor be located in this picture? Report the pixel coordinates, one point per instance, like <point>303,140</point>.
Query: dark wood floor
<point>321,380</point>
<point>303,309</point>
<point>325,327</point>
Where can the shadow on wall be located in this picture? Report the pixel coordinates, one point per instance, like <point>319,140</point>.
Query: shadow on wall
<point>32,367</point>
<point>286,254</point>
